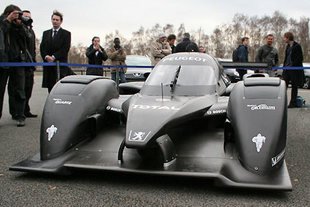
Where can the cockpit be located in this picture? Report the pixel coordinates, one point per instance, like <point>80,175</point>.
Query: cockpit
<point>183,75</point>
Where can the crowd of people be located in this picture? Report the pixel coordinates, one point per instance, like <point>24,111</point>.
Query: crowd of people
<point>17,44</point>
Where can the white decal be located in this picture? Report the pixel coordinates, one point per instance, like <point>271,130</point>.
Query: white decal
<point>155,107</point>
<point>60,101</point>
<point>261,107</point>
<point>110,108</point>
<point>259,140</point>
<point>184,58</point>
<point>277,158</point>
<point>218,111</point>
<point>51,132</point>
<point>138,136</point>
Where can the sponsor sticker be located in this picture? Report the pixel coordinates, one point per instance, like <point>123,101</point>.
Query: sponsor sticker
<point>277,158</point>
<point>51,131</point>
<point>261,107</point>
<point>259,140</point>
<point>185,58</point>
<point>218,111</point>
<point>110,108</point>
<point>136,136</point>
<point>147,107</point>
<point>60,101</point>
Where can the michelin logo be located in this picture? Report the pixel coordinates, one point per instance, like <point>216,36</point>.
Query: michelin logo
<point>261,107</point>
<point>259,140</point>
<point>51,131</point>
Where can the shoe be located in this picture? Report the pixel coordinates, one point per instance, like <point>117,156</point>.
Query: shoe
<point>20,123</point>
<point>30,115</point>
<point>291,106</point>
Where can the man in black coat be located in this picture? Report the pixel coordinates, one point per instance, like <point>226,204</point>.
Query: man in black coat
<point>293,58</point>
<point>54,47</point>
<point>96,55</point>
<point>29,71</point>
<point>186,45</point>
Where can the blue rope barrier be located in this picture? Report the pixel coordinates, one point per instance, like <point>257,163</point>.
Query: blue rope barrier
<point>24,64</point>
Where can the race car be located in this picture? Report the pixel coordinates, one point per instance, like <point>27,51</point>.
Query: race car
<point>186,119</point>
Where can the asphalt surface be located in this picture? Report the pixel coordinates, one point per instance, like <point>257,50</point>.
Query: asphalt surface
<point>106,189</point>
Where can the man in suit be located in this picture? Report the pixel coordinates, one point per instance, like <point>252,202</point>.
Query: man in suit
<point>54,47</point>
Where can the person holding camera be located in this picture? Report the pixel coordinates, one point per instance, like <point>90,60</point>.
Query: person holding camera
<point>29,71</point>
<point>117,56</point>
<point>96,55</point>
<point>55,46</point>
<point>16,36</point>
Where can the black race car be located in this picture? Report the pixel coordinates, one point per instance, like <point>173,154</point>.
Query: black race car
<point>185,120</point>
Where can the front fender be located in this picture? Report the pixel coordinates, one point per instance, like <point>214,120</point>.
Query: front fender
<point>69,110</point>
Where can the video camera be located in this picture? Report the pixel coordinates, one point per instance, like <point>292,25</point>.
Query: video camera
<point>25,20</point>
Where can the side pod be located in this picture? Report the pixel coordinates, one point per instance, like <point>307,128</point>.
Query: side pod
<point>257,110</point>
<point>71,110</point>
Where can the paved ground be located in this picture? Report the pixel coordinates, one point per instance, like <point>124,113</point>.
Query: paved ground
<point>105,189</point>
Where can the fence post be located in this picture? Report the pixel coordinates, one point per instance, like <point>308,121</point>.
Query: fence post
<point>58,70</point>
<point>117,77</point>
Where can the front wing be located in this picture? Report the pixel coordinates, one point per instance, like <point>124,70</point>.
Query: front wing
<point>200,157</point>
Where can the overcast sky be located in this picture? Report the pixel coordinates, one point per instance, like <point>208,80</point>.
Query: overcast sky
<point>89,18</point>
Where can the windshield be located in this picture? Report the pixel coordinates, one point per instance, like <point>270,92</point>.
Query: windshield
<point>138,60</point>
<point>191,80</point>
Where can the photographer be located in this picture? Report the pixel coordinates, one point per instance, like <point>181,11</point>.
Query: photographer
<point>118,57</point>
<point>16,36</point>
<point>96,55</point>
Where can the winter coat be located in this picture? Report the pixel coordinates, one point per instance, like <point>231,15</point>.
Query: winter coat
<point>243,53</point>
<point>117,57</point>
<point>267,54</point>
<point>159,50</point>
<point>296,58</point>
<point>186,46</point>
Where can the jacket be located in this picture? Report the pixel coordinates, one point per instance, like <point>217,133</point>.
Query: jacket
<point>294,58</point>
<point>267,54</point>
<point>243,53</point>
<point>117,57</point>
<point>159,50</point>
<point>186,46</point>
<point>96,59</point>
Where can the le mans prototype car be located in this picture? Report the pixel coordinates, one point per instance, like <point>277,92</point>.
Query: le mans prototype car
<point>185,120</point>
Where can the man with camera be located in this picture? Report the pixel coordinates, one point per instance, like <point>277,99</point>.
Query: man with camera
<point>96,55</point>
<point>117,56</point>
<point>16,36</point>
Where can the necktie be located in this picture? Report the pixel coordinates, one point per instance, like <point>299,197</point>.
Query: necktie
<point>54,33</point>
